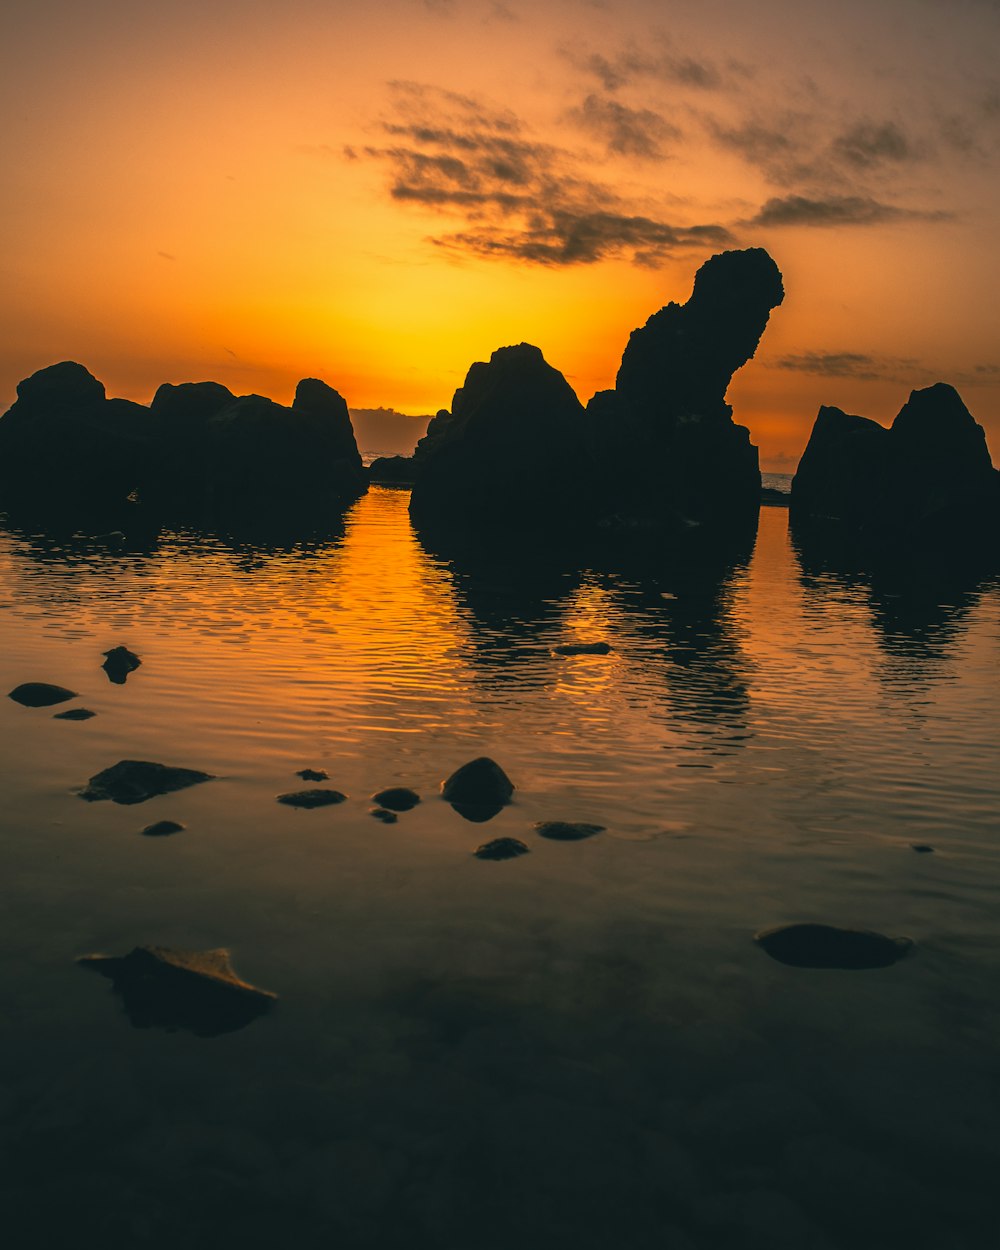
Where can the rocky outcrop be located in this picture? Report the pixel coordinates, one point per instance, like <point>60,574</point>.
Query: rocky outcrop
<point>511,451</point>
<point>392,471</point>
<point>926,481</point>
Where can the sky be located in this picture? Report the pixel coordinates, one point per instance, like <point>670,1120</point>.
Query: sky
<point>254,192</point>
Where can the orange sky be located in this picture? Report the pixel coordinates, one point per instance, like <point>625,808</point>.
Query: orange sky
<point>255,192</point>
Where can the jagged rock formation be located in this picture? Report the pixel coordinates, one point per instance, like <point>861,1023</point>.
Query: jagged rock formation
<point>510,451</point>
<point>927,480</point>
<point>659,451</point>
<point>198,452</point>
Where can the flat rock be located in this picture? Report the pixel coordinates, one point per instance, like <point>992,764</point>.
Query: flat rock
<point>135,781</point>
<point>178,989</point>
<point>566,830</point>
<point>501,848</point>
<point>118,663</point>
<point>163,828</point>
<point>397,798</point>
<point>825,946</point>
<point>922,848</point>
<point>582,648</point>
<point>40,694</point>
<point>75,713</point>
<point>312,774</point>
<point>383,814</point>
<point>312,798</point>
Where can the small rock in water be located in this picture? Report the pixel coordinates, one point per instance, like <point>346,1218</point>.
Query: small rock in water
<point>566,830</point>
<point>921,848</point>
<point>478,790</point>
<point>397,798</point>
<point>501,848</point>
<point>176,989</point>
<point>40,694</point>
<point>383,814</point>
<point>118,663</point>
<point>312,798</point>
<point>162,828</point>
<point>135,781</point>
<point>312,774</point>
<point>825,946</point>
<point>75,713</point>
<point>581,648</point>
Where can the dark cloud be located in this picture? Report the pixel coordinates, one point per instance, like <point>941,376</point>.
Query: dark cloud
<point>836,210</point>
<point>858,365</point>
<point>624,131</point>
<point>868,144</point>
<point>632,64</point>
<point>518,197</point>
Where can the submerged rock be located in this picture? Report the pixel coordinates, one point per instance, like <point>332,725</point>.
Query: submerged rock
<point>566,830</point>
<point>163,829</point>
<point>397,798</point>
<point>582,648</point>
<point>178,989</point>
<point>383,814</point>
<point>312,798</point>
<point>478,790</point>
<point>118,663</point>
<point>313,774</point>
<point>40,694</point>
<point>501,848</point>
<point>922,848</point>
<point>135,781</point>
<point>75,713</point>
<point>825,946</point>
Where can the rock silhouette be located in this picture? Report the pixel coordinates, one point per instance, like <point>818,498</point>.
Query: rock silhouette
<point>825,946</point>
<point>392,471</point>
<point>501,848</point>
<point>926,482</point>
<point>478,790</point>
<point>566,830</point>
<point>313,774</point>
<point>75,713</point>
<point>397,798</point>
<point>40,694</point>
<point>176,989</point>
<point>118,663</point>
<point>582,648</point>
<point>135,781</point>
<point>162,829</point>
<point>312,798</point>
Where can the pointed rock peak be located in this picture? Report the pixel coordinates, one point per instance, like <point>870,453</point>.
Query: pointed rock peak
<point>314,396</point>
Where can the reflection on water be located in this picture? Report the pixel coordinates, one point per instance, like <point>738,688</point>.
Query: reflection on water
<point>577,1046</point>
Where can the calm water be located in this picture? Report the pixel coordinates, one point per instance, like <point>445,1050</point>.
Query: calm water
<point>581,1047</point>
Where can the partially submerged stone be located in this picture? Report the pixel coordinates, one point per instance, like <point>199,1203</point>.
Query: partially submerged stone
<point>383,814</point>
<point>40,694</point>
<point>922,848</point>
<point>501,848</point>
<point>312,774</point>
<point>566,830</point>
<point>397,798</point>
<point>75,713</point>
<point>312,798</point>
<point>478,790</point>
<point>135,781</point>
<point>582,648</point>
<point>826,946</point>
<point>178,989</point>
<point>163,829</point>
<point>118,663</point>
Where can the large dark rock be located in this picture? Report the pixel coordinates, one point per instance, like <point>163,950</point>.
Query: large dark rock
<point>826,946</point>
<point>40,694</point>
<point>664,440</point>
<point>510,453</point>
<point>927,482</point>
<point>176,989</point>
<point>392,471</point>
<point>66,450</point>
<point>135,781</point>
<point>478,790</point>
<point>118,663</point>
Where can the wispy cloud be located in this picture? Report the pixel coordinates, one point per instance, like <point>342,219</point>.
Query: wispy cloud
<point>660,62</point>
<point>624,131</point>
<point>858,365</point>
<point>838,210</point>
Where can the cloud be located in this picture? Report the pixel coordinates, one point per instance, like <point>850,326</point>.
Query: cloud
<point>858,365</point>
<point>624,131</point>
<point>837,210</point>
<point>867,144</point>
<point>632,64</point>
<point>516,196</point>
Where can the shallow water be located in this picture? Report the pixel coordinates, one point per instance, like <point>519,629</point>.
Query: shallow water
<point>582,1046</point>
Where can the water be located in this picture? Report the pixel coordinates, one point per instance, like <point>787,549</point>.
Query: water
<point>579,1047</point>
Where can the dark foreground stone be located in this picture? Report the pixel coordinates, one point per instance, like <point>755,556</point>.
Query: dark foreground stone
<point>922,848</point>
<point>163,829</point>
<point>312,774</point>
<point>135,781</point>
<point>397,798</point>
<point>501,848</point>
<point>582,648</point>
<point>118,663</point>
<point>383,814</point>
<point>566,830</point>
<point>40,694</point>
<point>312,798</point>
<point>176,989</point>
<point>75,713</point>
<point>825,946</point>
<point>478,790</point>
